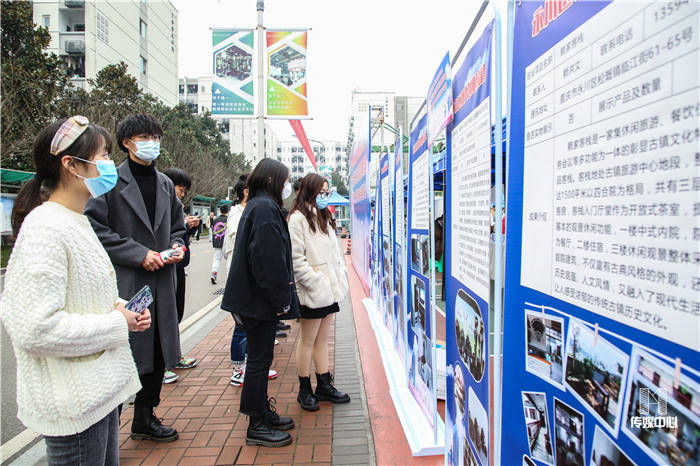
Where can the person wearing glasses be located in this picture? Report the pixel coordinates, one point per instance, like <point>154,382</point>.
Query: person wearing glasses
<point>137,220</point>
<point>60,305</point>
<point>322,282</point>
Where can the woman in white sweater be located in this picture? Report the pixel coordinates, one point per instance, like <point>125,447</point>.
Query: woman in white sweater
<point>69,329</point>
<point>321,279</point>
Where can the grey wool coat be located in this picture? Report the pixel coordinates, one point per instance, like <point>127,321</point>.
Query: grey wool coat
<point>121,222</point>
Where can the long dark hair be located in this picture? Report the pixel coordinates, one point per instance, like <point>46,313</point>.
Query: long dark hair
<point>268,177</point>
<point>311,186</point>
<point>241,186</point>
<point>48,166</point>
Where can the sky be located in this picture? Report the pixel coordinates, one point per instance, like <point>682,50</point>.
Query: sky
<point>380,45</point>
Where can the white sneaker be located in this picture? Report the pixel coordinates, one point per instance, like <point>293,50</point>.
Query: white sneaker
<point>237,377</point>
<point>277,342</point>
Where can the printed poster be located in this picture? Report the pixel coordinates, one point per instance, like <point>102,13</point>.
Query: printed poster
<point>467,229</point>
<point>399,228</point>
<point>286,73</point>
<point>439,100</point>
<point>385,247</point>
<point>233,82</point>
<point>420,327</point>
<point>360,209</point>
<point>602,290</point>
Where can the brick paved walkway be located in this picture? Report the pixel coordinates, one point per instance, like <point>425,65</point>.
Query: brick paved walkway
<point>203,407</point>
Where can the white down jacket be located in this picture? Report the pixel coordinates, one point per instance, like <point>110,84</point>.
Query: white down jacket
<point>319,268</point>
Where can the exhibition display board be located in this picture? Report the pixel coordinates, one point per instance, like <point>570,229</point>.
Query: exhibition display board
<point>360,210</point>
<point>420,329</point>
<point>385,261</point>
<point>399,234</point>
<point>467,227</point>
<point>602,308</point>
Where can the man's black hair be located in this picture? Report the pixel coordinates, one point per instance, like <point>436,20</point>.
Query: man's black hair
<point>179,177</point>
<point>223,209</point>
<point>140,123</point>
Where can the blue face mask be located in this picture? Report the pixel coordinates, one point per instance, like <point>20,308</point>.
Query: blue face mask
<point>321,201</point>
<point>147,151</point>
<point>105,182</point>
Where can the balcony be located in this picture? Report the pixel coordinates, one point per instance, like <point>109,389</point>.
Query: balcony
<point>74,3</point>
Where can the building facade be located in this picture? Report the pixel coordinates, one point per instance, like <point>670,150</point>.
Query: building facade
<point>330,155</point>
<point>91,34</point>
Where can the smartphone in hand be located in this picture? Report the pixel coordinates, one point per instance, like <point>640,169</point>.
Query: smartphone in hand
<point>141,300</point>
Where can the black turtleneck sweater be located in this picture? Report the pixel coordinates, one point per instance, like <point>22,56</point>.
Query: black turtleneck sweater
<point>145,176</point>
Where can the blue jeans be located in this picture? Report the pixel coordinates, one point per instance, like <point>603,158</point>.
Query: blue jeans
<point>97,445</point>
<point>239,341</point>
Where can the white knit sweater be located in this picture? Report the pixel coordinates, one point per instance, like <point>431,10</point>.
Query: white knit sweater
<point>74,363</point>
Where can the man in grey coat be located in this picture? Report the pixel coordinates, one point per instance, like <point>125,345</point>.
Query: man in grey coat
<point>135,221</point>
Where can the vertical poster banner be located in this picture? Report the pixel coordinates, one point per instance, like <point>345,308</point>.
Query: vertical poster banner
<point>233,82</point>
<point>602,290</point>
<point>386,282</point>
<point>399,230</point>
<point>420,332</point>
<point>439,100</point>
<point>360,209</point>
<point>376,233</point>
<point>286,73</point>
<point>467,260</point>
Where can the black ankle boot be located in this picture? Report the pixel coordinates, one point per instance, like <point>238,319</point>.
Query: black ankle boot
<point>325,391</point>
<point>274,420</point>
<point>306,397</point>
<point>259,433</point>
<point>147,426</point>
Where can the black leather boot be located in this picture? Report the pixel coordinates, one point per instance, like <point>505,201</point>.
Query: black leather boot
<point>306,397</point>
<point>325,391</point>
<point>274,420</point>
<point>282,326</point>
<point>259,433</point>
<point>147,426</point>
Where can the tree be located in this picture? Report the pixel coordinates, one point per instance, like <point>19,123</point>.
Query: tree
<point>339,183</point>
<point>33,83</point>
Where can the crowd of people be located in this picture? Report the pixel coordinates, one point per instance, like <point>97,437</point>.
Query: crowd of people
<point>91,235</point>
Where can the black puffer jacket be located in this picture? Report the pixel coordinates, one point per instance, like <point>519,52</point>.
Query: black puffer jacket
<point>260,282</point>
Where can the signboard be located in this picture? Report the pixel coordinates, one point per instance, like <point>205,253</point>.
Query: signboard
<point>286,73</point>
<point>467,229</point>
<point>233,82</point>
<point>420,331</point>
<point>439,100</point>
<point>360,210</point>
<point>399,232</point>
<point>602,286</point>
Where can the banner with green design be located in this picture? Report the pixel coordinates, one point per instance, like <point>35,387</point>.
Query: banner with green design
<point>286,78</point>
<point>233,84</point>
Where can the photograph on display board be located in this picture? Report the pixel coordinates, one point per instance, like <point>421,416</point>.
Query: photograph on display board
<point>605,452</point>
<point>595,373</point>
<point>568,435</point>
<point>420,371</point>
<point>398,286</point>
<point>545,347</point>
<point>418,303</point>
<point>419,254</point>
<point>460,393</point>
<point>537,424</point>
<point>478,425</point>
<point>676,440</point>
<point>469,330</point>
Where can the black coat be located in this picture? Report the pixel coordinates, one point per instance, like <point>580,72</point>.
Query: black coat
<point>261,279</point>
<point>121,222</point>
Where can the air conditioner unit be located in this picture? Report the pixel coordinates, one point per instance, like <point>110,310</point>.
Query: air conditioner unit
<point>75,3</point>
<point>75,46</point>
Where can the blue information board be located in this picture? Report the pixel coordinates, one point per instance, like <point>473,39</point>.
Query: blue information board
<point>602,295</point>
<point>399,232</point>
<point>468,173</point>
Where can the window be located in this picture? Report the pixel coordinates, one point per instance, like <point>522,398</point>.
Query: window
<point>192,108</point>
<point>46,20</point>
<point>181,89</point>
<point>192,88</point>
<point>144,63</point>
<point>202,89</point>
<point>142,28</point>
<point>102,28</point>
